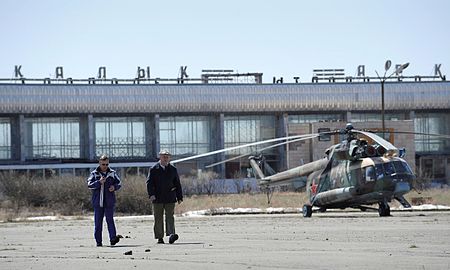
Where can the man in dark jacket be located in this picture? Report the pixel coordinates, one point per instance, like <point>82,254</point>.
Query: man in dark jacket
<point>164,190</point>
<point>103,182</point>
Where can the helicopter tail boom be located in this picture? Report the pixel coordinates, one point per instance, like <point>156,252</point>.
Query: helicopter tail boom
<point>303,170</point>
<point>289,175</point>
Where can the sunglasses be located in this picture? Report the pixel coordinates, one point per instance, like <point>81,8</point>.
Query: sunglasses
<point>104,164</point>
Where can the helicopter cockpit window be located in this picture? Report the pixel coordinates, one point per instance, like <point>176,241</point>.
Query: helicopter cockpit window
<point>370,173</point>
<point>402,167</point>
<point>388,168</point>
<point>379,171</point>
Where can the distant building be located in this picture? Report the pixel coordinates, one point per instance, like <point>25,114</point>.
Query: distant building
<point>65,126</point>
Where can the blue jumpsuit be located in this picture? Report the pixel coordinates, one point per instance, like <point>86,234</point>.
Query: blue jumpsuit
<point>103,201</point>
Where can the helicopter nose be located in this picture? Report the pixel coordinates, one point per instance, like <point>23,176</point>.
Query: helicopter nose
<point>403,183</point>
<point>402,187</point>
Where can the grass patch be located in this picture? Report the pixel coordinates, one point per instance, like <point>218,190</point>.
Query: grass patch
<point>22,196</point>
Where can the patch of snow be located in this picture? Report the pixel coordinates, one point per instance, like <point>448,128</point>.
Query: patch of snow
<point>132,217</point>
<point>423,207</point>
<point>230,211</point>
<point>43,218</point>
<point>198,213</point>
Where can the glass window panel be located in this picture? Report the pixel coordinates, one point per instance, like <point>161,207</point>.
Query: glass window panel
<point>248,129</point>
<point>185,135</point>
<point>122,137</point>
<point>5,138</point>
<point>433,123</point>
<point>309,118</point>
<point>57,137</point>
<point>363,117</point>
<point>184,132</point>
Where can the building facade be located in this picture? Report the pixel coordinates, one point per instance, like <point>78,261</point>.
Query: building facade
<point>69,125</point>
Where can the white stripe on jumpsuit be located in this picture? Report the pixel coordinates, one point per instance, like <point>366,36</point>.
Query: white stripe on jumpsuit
<point>102,189</point>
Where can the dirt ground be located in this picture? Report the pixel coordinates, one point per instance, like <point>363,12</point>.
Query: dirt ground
<point>337,240</point>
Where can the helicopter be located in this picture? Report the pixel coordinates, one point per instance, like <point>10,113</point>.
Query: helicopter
<point>362,170</point>
<point>353,173</point>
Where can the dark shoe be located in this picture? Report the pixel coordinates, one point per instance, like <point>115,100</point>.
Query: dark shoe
<point>99,245</point>
<point>160,241</point>
<point>115,240</point>
<point>173,238</point>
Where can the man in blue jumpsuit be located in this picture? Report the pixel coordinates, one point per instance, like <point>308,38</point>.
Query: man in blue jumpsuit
<point>103,182</point>
<point>164,190</point>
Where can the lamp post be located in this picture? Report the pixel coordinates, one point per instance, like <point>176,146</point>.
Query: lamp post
<point>383,79</point>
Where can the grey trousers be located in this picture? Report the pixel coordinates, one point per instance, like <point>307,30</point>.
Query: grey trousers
<point>158,213</point>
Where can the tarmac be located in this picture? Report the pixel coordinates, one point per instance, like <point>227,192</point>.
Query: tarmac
<point>331,240</point>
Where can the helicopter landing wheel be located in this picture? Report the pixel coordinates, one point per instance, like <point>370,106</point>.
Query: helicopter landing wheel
<point>384,210</point>
<point>307,210</point>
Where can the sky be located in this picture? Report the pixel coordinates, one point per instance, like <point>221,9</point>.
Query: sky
<point>280,38</point>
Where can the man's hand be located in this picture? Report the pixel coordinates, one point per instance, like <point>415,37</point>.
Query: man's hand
<point>179,201</point>
<point>152,198</point>
<point>102,180</point>
<point>111,188</point>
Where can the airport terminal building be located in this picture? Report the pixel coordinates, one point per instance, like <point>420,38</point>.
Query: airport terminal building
<point>65,124</point>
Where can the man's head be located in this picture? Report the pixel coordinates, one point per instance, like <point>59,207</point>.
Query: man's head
<point>103,162</point>
<point>164,157</point>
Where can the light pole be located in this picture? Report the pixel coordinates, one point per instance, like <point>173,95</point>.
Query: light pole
<point>383,79</point>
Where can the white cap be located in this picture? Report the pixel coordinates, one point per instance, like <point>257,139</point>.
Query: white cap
<point>164,152</point>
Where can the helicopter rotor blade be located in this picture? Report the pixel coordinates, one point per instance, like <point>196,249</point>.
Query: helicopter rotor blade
<point>390,148</point>
<point>260,150</point>
<point>444,136</point>
<point>249,144</point>
<point>382,142</point>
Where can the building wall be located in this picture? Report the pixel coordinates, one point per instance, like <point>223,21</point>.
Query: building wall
<point>300,152</point>
<point>221,98</point>
<point>295,108</point>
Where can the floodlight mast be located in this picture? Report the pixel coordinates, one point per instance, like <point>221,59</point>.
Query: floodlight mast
<point>383,79</point>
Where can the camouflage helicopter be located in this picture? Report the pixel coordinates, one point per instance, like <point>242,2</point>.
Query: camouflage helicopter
<point>353,173</point>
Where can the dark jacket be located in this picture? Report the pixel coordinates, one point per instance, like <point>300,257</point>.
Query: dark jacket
<point>164,184</point>
<point>112,179</point>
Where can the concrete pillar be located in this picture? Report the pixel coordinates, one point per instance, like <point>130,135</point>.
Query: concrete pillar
<point>218,142</point>
<point>150,137</point>
<point>16,136</point>
<point>25,139</point>
<point>156,141</point>
<point>84,137</point>
<point>282,130</point>
<point>91,137</point>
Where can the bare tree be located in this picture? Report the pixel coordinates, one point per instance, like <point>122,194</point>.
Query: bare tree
<point>206,181</point>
